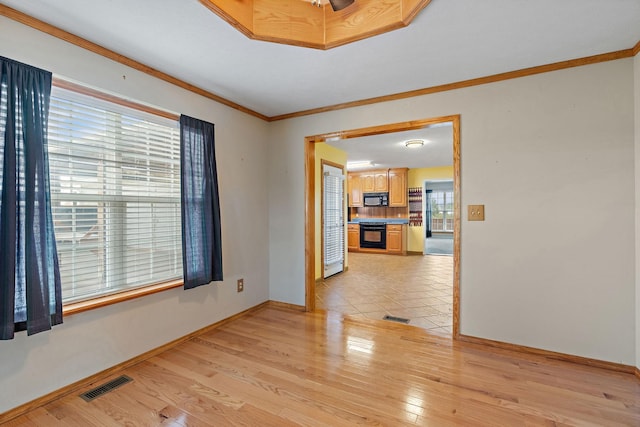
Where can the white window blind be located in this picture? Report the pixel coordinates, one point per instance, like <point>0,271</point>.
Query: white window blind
<point>333,220</point>
<point>115,195</point>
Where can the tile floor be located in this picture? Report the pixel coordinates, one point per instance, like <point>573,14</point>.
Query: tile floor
<point>417,287</point>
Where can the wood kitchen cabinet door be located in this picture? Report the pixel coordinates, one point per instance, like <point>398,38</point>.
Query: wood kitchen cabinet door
<point>368,182</point>
<point>375,181</point>
<point>354,188</point>
<point>398,188</point>
<point>381,182</point>
<point>395,239</point>
<point>353,237</point>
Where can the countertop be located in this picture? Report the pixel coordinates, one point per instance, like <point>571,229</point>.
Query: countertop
<point>385,220</point>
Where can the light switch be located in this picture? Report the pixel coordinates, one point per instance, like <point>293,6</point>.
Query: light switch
<point>475,212</point>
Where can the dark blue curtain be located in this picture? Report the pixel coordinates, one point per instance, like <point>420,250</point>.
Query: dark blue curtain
<point>201,237</point>
<point>428,212</point>
<point>30,292</point>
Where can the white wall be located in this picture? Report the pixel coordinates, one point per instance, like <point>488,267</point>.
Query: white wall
<point>90,342</point>
<point>551,157</point>
<point>636,73</point>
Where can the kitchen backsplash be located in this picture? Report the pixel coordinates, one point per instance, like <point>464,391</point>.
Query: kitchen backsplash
<point>379,212</point>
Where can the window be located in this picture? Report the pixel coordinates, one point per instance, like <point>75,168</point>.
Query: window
<point>115,195</point>
<point>442,211</point>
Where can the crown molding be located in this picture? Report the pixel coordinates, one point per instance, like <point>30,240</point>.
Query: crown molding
<point>54,31</point>
<point>611,56</point>
<point>107,53</point>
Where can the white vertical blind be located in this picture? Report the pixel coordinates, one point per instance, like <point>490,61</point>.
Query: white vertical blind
<point>333,220</point>
<point>115,192</point>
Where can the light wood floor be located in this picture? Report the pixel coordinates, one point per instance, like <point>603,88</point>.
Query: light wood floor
<point>281,368</point>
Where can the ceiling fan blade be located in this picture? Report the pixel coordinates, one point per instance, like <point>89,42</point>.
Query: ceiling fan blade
<point>340,4</point>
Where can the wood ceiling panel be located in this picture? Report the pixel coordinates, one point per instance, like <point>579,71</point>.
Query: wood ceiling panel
<point>362,19</point>
<point>238,13</point>
<point>410,9</point>
<point>300,23</point>
<point>288,22</point>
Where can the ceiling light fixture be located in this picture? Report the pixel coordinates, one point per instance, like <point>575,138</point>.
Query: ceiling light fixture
<point>414,143</point>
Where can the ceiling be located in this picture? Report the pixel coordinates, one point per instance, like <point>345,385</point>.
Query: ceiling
<point>389,150</point>
<point>449,41</point>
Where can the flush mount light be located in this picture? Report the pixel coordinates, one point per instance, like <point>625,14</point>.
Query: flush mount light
<point>358,164</point>
<point>414,143</point>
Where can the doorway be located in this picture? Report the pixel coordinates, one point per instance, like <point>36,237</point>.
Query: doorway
<point>310,199</point>
<point>438,214</point>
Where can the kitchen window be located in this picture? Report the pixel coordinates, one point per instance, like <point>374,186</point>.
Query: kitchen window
<point>115,196</point>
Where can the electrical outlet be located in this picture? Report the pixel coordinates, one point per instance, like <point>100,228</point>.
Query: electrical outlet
<point>240,285</point>
<point>475,212</point>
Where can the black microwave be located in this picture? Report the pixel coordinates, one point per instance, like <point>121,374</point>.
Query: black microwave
<point>376,199</point>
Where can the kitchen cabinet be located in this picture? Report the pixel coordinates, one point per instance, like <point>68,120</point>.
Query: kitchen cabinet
<point>396,239</point>
<point>354,188</point>
<point>353,237</point>
<point>381,182</point>
<point>398,187</point>
<point>374,181</point>
<point>368,182</point>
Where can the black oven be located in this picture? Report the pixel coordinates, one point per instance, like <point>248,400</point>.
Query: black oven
<point>373,235</point>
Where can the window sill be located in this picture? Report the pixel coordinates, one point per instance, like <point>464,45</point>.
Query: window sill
<point>80,306</point>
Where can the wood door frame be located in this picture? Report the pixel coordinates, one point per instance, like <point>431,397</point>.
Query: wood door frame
<point>310,196</point>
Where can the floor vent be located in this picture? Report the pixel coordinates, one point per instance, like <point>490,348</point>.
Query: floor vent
<point>395,319</point>
<point>105,388</point>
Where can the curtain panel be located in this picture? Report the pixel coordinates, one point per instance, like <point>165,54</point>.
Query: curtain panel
<point>201,230</point>
<point>428,212</point>
<point>30,291</point>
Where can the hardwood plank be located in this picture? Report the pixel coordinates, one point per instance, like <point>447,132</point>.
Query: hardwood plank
<point>277,367</point>
<point>181,394</point>
<point>73,414</point>
<point>90,382</point>
<point>36,417</point>
<point>550,354</point>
